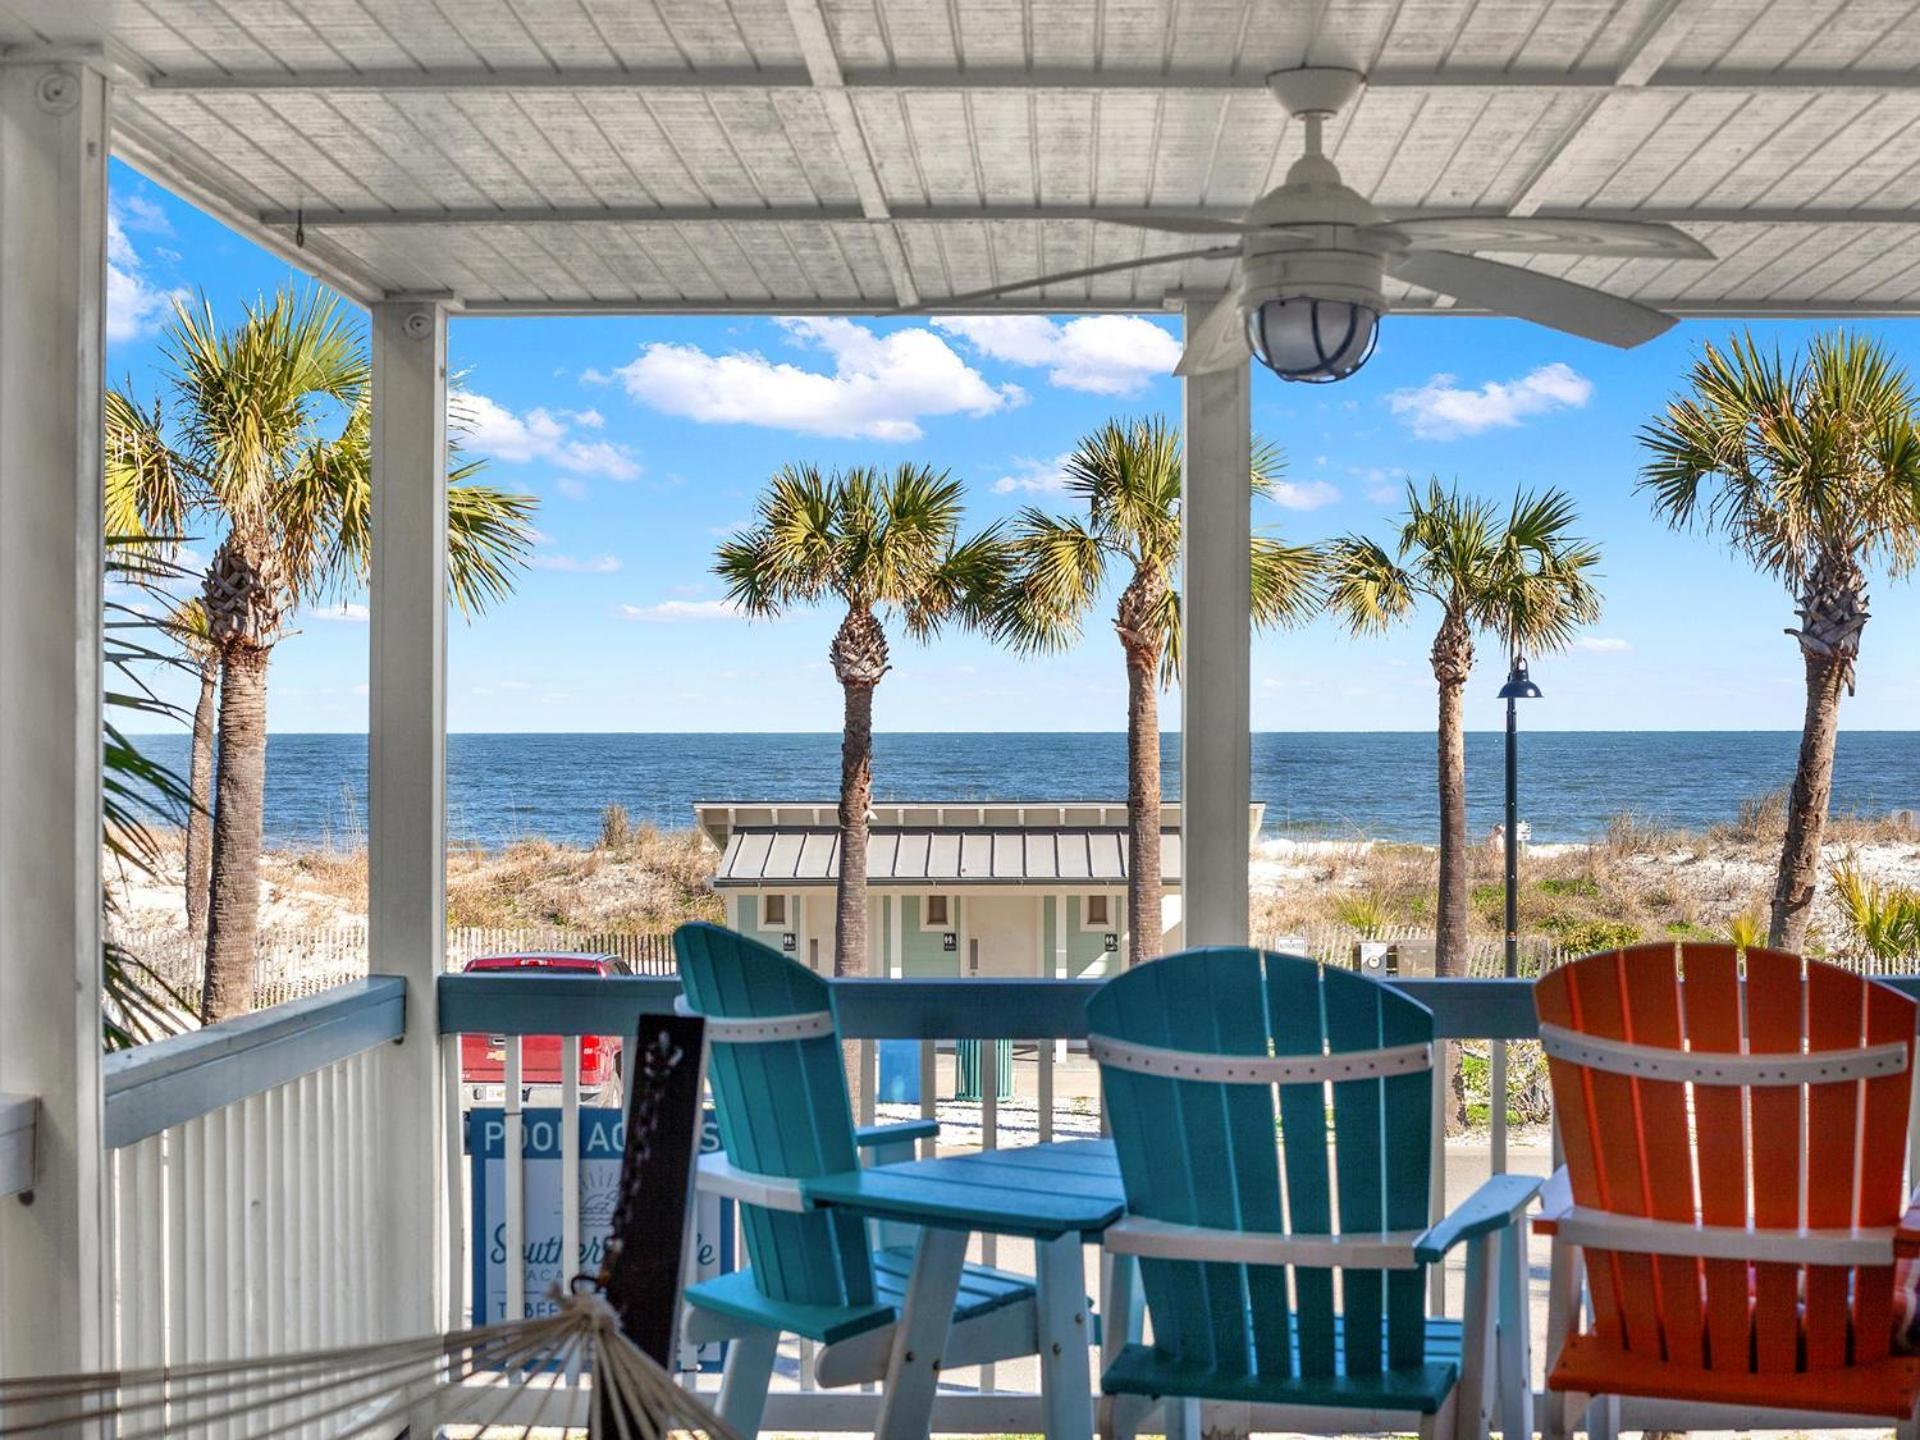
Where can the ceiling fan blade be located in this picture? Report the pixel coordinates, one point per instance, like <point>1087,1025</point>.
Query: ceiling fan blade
<point>1543,299</point>
<point>1219,341</point>
<point>1012,287</point>
<point>1172,222</point>
<point>1550,235</point>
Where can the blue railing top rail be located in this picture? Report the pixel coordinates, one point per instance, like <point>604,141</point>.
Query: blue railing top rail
<point>869,1009</point>
<point>155,1087</point>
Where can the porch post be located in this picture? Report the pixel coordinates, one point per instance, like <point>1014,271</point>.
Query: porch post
<point>406,788</point>
<point>53,227</point>
<point>1217,581</point>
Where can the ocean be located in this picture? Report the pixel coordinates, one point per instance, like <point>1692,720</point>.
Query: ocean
<point>507,787</point>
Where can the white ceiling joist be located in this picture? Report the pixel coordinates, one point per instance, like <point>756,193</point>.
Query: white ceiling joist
<point>1636,74</point>
<point>1665,28</point>
<point>324,219</point>
<point>823,67</point>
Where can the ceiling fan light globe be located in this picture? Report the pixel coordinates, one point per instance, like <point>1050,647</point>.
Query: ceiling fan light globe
<point>1311,340</point>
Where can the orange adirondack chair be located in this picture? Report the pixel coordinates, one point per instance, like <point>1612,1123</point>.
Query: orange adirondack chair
<point>1734,1131</point>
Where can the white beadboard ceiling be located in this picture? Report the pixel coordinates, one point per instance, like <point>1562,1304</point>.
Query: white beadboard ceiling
<point>858,155</point>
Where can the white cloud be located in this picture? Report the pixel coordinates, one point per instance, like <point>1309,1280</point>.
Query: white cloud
<point>350,611</point>
<point>1384,483</point>
<point>1307,495</point>
<point>541,434</point>
<point>1441,410</point>
<point>135,307</point>
<point>1035,477</point>
<point>576,564</point>
<point>1101,354</point>
<point>879,388</point>
<point>674,611</point>
<point>140,213</point>
<point>1603,644</point>
<point>590,418</point>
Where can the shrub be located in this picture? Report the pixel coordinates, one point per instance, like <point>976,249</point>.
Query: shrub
<point>1590,937</point>
<point>1583,885</point>
<point>615,828</point>
<point>1366,913</point>
<point>1747,931</point>
<point>1885,918</point>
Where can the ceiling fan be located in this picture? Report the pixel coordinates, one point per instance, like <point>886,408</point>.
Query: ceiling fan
<point>1312,256</point>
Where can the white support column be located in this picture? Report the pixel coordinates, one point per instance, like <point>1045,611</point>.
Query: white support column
<point>1216,780</point>
<point>53,227</point>
<point>406,785</point>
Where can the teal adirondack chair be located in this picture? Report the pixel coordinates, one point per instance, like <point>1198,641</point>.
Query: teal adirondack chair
<point>1217,1066</point>
<point>780,1092</point>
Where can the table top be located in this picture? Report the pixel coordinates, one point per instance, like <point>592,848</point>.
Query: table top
<point>1042,1191</point>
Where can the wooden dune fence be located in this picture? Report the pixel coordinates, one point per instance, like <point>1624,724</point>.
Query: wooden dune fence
<point>302,960</point>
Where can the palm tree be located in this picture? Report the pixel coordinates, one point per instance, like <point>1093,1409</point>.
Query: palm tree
<point>1127,473</point>
<point>874,545</point>
<point>1811,469</point>
<point>252,406</point>
<point>187,624</point>
<point>1524,578</point>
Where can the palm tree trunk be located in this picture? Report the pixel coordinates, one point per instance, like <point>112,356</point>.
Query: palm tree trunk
<point>850,896</point>
<point>200,813</point>
<point>1452,659</point>
<point>1799,874</point>
<point>856,799</point>
<point>233,917</point>
<point>1450,934</point>
<point>1143,805</point>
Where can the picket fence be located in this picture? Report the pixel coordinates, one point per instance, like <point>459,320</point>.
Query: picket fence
<point>302,960</point>
<point>292,961</point>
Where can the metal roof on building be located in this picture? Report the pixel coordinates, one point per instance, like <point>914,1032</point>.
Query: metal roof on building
<point>854,155</point>
<point>942,857</point>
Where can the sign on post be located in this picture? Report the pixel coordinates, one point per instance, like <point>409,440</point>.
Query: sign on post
<point>603,1140</point>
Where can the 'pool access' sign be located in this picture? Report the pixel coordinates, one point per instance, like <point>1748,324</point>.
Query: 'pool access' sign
<point>603,1140</point>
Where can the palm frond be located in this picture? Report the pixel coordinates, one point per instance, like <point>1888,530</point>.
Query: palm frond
<point>1796,463</point>
<point>1057,567</point>
<point>1366,588</point>
<point>1288,582</point>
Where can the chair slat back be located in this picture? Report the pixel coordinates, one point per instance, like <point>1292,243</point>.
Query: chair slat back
<point>1823,1155</point>
<point>1263,1158</point>
<point>783,1111</point>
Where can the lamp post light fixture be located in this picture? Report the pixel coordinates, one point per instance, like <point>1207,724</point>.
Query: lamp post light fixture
<point>1519,686</point>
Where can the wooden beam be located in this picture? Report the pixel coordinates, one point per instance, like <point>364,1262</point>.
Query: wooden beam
<point>53,238</point>
<point>1643,69</point>
<point>830,84</point>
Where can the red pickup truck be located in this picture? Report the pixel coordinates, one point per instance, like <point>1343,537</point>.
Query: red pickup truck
<point>483,1058</point>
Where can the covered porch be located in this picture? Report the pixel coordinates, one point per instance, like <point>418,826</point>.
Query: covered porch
<point>296,1178</point>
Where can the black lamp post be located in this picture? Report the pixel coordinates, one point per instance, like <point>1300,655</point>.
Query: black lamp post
<point>1519,686</point>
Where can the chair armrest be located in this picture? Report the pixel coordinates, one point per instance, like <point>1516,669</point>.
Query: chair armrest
<point>1496,1204</point>
<point>1556,1199</point>
<point>1906,1236</point>
<point>871,1137</point>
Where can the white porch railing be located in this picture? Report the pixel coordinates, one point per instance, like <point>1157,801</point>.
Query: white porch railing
<point>246,1180</point>
<point>243,1195</point>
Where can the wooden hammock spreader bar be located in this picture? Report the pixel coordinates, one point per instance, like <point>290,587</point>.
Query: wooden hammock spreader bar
<point>1222,1069</point>
<point>1715,1067</point>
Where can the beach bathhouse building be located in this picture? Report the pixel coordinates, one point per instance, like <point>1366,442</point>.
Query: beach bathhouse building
<point>955,889</point>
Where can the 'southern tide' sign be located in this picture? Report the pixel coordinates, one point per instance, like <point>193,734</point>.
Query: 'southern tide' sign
<point>603,1140</point>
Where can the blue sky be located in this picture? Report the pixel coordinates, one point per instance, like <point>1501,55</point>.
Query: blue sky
<point>645,441</point>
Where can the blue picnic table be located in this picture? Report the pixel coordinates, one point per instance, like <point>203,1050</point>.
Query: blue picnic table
<point>1059,1195</point>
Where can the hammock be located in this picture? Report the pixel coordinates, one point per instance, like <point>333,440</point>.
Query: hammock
<point>616,1327</point>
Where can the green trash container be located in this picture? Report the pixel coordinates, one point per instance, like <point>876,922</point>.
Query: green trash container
<point>966,1055</point>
